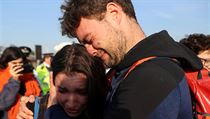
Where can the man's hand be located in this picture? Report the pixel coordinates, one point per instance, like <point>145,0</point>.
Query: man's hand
<point>52,98</point>
<point>24,112</point>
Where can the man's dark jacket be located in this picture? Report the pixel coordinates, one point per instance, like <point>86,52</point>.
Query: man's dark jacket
<point>155,89</point>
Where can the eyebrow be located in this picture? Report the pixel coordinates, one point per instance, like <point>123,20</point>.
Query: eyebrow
<point>79,88</point>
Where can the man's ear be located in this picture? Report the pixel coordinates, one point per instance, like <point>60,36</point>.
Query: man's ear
<point>114,11</point>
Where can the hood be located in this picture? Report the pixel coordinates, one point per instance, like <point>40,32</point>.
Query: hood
<point>162,45</point>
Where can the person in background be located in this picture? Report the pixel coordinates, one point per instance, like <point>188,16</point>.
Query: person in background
<point>16,80</point>
<point>80,85</point>
<point>26,51</point>
<point>29,55</point>
<point>200,44</point>
<point>43,72</point>
<point>155,89</point>
<point>199,80</point>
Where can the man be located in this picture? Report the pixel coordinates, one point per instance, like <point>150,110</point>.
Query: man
<point>154,89</point>
<point>43,73</point>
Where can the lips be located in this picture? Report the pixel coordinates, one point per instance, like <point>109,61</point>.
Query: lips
<point>73,111</point>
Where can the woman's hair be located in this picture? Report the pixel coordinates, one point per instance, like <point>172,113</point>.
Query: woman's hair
<point>74,10</point>
<point>9,54</point>
<point>197,42</point>
<point>75,58</point>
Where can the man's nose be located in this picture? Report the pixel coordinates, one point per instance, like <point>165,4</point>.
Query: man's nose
<point>91,50</point>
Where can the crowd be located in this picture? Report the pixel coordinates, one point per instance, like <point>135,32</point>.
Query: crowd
<point>149,76</point>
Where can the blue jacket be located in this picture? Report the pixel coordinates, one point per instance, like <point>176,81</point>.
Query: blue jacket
<point>56,112</point>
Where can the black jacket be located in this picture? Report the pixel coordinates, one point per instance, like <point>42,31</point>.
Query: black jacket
<point>155,89</point>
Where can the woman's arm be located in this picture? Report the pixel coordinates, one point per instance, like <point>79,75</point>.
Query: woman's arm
<point>8,94</point>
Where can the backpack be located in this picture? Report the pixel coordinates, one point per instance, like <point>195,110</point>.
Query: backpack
<point>199,87</point>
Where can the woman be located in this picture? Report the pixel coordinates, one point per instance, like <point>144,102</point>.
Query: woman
<point>16,81</point>
<point>80,84</point>
<point>80,87</point>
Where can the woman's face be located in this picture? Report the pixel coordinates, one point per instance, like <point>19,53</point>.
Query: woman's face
<point>72,92</point>
<point>205,58</point>
<point>18,61</point>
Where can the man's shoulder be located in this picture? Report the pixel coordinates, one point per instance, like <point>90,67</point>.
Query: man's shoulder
<point>156,71</point>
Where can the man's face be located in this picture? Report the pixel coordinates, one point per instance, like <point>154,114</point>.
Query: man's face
<point>205,58</point>
<point>48,60</point>
<point>102,40</point>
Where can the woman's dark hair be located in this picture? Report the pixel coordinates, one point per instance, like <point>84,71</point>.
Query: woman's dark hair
<point>197,42</point>
<point>9,54</point>
<point>74,58</point>
<point>74,10</point>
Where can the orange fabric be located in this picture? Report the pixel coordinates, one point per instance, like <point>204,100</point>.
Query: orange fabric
<point>4,77</point>
<point>13,111</point>
<point>31,86</point>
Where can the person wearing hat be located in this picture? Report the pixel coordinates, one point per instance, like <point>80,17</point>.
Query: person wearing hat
<point>25,50</point>
<point>43,73</point>
<point>16,81</point>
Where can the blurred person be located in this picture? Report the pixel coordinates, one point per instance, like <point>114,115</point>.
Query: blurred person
<point>155,89</point>
<point>43,73</point>
<point>16,80</point>
<point>25,50</point>
<point>29,56</point>
<point>80,86</point>
<point>199,80</point>
<point>200,44</point>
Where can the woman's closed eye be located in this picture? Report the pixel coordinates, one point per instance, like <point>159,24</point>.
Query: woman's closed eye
<point>62,90</point>
<point>82,92</point>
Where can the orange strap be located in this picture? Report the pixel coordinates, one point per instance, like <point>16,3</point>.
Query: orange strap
<point>137,63</point>
<point>112,72</point>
